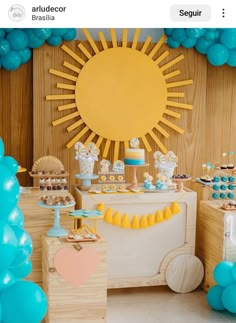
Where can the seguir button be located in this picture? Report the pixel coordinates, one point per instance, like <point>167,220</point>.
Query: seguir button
<point>190,12</point>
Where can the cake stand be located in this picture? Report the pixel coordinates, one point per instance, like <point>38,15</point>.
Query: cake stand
<point>56,230</point>
<point>180,183</point>
<point>86,181</point>
<point>134,184</point>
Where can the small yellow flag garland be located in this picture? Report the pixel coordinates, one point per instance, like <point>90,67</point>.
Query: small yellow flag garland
<point>145,221</point>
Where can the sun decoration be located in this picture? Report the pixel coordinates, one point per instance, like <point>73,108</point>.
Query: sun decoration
<point>120,92</point>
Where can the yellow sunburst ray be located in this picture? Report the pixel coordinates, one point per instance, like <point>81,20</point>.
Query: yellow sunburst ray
<point>175,94</point>
<point>90,138</point>
<point>62,74</point>
<point>179,105</point>
<point>71,67</point>
<point>172,125</point>
<point>160,58</point>
<point>77,137</point>
<point>146,144</point>
<point>103,40</point>
<point>107,147</point>
<point>116,151</point>
<point>90,40</point>
<point>65,118</point>
<point>136,37</point>
<point>75,125</point>
<point>60,97</point>
<point>146,44</point>
<point>157,46</point>
<point>84,50</point>
<point>73,54</point>
<point>99,141</point>
<point>65,86</point>
<point>113,37</point>
<point>158,142</point>
<point>124,37</point>
<point>66,106</point>
<point>172,62</point>
<point>126,144</point>
<point>162,131</point>
<point>172,113</point>
<point>172,74</point>
<point>178,83</point>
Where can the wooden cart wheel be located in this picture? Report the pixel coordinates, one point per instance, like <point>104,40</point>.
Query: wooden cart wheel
<point>184,273</point>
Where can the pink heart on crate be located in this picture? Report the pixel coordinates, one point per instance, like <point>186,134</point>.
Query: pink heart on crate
<point>76,266</point>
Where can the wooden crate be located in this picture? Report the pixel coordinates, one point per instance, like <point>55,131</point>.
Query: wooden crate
<point>39,220</point>
<point>215,238</point>
<point>86,303</point>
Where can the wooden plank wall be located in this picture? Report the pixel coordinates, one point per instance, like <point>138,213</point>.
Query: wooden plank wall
<point>28,134</point>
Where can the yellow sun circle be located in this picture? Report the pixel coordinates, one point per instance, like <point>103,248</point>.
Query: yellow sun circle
<point>121,93</point>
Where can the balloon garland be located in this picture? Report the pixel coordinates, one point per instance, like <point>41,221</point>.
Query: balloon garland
<point>16,44</point>
<point>21,301</point>
<point>218,44</point>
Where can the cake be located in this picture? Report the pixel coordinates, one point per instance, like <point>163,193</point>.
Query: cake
<point>134,155</point>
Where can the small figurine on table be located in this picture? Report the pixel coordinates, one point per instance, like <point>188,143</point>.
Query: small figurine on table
<point>105,165</point>
<point>148,181</point>
<point>161,183</point>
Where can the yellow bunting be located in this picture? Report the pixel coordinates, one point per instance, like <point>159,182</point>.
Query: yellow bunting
<point>125,223</point>
<point>108,215</point>
<point>167,213</point>
<point>116,218</point>
<point>175,209</point>
<point>101,207</point>
<point>151,219</point>
<point>143,222</point>
<point>159,217</point>
<point>135,222</point>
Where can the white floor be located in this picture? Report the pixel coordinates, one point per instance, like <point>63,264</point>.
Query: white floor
<point>160,304</point>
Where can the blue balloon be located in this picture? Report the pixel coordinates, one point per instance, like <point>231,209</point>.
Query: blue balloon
<point>210,35</point>
<point>168,31</point>
<point>9,191</point>
<point>8,245</point>
<point>59,31</point>
<point>23,270</point>
<point>229,298</point>
<point>15,217</point>
<point>1,148</point>
<point>172,43</point>
<point>189,42</point>
<point>6,279</point>
<point>195,32</point>
<point>4,46</point>
<point>34,42</point>
<point>8,29</point>
<point>25,55</point>
<point>234,271</point>
<point>228,38</point>
<point>179,34</point>
<point>23,302</point>
<point>214,298</point>
<point>18,39</point>
<point>43,33</point>
<point>217,54</point>
<point>2,33</point>
<point>223,273</point>
<point>232,58</point>
<point>11,164</point>
<point>11,61</point>
<point>203,45</point>
<point>70,34</point>
<point>24,248</point>
<point>54,40</point>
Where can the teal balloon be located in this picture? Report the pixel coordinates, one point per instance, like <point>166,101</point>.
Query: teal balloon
<point>172,43</point>
<point>25,55</point>
<point>15,217</point>
<point>11,61</point>
<point>11,164</point>
<point>22,270</point>
<point>43,33</point>
<point>223,274</point>
<point>210,35</point>
<point>168,31</point>
<point>202,45</point>
<point>232,58</point>
<point>9,191</point>
<point>24,248</point>
<point>6,279</point>
<point>228,38</point>
<point>4,46</point>
<point>214,298</point>
<point>2,33</point>
<point>34,42</point>
<point>8,245</point>
<point>179,34</point>
<point>23,302</point>
<point>195,32</point>
<point>189,42</point>
<point>59,31</point>
<point>18,39</point>
<point>217,54</point>
<point>8,29</point>
<point>229,298</point>
<point>70,34</point>
<point>54,40</point>
<point>1,148</point>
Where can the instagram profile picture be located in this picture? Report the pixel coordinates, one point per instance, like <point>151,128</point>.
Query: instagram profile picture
<point>16,12</point>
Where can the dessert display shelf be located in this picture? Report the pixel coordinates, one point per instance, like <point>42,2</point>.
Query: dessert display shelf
<point>143,257</point>
<point>86,180</point>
